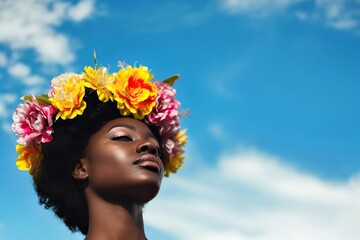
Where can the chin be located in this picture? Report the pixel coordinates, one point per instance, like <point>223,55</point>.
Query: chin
<point>139,187</point>
<point>147,189</point>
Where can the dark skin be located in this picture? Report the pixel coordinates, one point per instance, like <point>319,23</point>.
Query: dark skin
<point>123,171</point>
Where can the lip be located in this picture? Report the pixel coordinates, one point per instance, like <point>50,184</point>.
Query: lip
<point>150,162</point>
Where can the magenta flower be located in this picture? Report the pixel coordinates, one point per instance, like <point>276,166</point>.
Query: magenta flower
<point>165,115</point>
<point>33,121</point>
<point>168,129</point>
<point>166,106</point>
<point>168,146</point>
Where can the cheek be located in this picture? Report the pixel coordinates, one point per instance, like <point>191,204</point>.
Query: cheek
<point>108,166</point>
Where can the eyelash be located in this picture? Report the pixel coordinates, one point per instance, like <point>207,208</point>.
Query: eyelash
<point>122,138</point>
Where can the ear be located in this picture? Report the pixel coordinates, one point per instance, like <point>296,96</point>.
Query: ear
<point>81,170</point>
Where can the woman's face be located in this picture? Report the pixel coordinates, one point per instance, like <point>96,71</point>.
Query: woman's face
<point>123,162</point>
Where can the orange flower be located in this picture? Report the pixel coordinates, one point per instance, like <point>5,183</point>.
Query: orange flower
<point>67,96</point>
<point>134,92</point>
<point>101,81</point>
<point>29,157</point>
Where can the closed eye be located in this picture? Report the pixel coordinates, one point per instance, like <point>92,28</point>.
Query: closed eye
<point>122,138</point>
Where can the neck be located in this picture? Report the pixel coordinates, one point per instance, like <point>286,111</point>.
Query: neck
<point>114,221</point>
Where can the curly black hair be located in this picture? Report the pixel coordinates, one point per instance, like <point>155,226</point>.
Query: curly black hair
<point>54,183</point>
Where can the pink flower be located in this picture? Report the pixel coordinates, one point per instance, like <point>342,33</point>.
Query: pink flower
<point>33,121</point>
<point>165,115</point>
<point>166,106</point>
<point>168,146</point>
<point>168,129</point>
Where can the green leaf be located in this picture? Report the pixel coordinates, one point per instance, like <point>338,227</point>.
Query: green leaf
<point>42,99</point>
<point>171,80</point>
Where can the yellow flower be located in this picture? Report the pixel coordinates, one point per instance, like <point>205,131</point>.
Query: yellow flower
<point>176,161</point>
<point>134,92</point>
<point>101,81</point>
<point>29,157</point>
<point>68,97</point>
<point>181,138</point>
<point>174,164</point>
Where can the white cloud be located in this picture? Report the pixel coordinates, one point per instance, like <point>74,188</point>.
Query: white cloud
<point>30,24</point>
<point>5,99</point>
<point>251,195</point>
<point>340,14</point>
<point>33,90</point>
<point>301,15</point>
<point>337,14</point>
<point>333,10</point>
<point>34,80</point>
<point>344,24</point>
<point>6,127</point>
<point>82,10</point>
<point>253,169</point>
<point>3,59</point>
<point>3,110</point>
<point>30,27</point>
<point>19,70</point>
<point>22,72</point>
<point>236,6</point>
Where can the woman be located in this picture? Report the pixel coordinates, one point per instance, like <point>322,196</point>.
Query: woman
<point>97,146</point>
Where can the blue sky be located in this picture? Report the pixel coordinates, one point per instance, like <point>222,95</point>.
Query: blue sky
<point>273,92</point>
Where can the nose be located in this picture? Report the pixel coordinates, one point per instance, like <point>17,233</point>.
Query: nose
<point>149,147</point>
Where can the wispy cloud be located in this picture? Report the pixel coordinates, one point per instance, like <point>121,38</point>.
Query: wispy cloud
<point>167,16</point>
<point>252,195</point>
<point>5,99</point>
<point>3,59</point>
<point>81,10</point>
<point>337,14</point>
<point>19,70</point>
<point>30,28</point>
<point>222,77</point>
<point>22,72</point>
<point>342,15</point>
<point>32,24</point>
<point>24,32</point>
<point>258,6</point>
<point>218,132</point>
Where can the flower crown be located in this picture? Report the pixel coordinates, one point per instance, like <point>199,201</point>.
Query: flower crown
<point>131,88</point>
